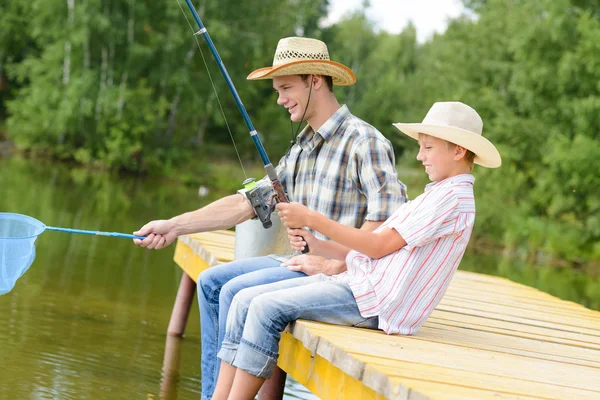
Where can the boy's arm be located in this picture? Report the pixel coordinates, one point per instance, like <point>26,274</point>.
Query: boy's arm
<point>326,248</point>
<point>374,245</point>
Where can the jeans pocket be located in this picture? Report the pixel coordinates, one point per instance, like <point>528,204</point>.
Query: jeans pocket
<point>369,323</point>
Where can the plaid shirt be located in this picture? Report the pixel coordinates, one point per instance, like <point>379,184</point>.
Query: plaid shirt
<point>345,170</point>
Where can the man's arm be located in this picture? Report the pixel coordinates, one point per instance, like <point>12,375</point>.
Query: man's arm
<point>220,214</point>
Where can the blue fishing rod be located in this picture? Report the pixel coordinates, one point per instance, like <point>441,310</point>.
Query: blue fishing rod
<point>263,211</point>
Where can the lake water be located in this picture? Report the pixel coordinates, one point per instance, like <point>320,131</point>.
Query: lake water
<point>88,320</point>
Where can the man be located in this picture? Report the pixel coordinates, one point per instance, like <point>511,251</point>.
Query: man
<point>340,166</point>
<point>396,275</point>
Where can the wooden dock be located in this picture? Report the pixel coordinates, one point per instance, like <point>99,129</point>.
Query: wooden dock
<point>488,338</point>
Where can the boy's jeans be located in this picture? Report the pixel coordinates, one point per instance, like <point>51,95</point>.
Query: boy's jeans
<point>259,314</point>
<point>216,288</point>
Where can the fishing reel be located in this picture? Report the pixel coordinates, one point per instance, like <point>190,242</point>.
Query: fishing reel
<point>261,208</point>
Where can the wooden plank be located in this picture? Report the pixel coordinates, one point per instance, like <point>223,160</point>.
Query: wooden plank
<point>511,345</point>
<point>403,371</point>
<point>478,322</point>
<point>555,308</point>
<point>408,348</point>
<point>530,319</point>
<point>466,329</point>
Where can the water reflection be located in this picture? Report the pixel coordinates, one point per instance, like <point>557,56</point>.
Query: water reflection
<point>170,370</point>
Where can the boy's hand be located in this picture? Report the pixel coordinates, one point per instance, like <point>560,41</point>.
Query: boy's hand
<point>300,238</point>
<point>293,215</point>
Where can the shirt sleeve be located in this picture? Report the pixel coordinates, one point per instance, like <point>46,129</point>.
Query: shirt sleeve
<point>433,216</point>
<point>376,178</point>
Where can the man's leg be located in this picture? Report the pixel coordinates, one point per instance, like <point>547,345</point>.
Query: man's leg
<point>210,283</point>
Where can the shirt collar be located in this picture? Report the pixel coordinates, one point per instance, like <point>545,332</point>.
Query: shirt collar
<point>453,180</point>
<point>333,123</point>
<point>306,139</point>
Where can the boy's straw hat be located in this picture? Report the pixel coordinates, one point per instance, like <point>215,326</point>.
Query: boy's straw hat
<point>297,56</point>
<point>459,124</point>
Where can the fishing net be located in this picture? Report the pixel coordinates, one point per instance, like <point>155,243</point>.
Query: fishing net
<point>17,247</point>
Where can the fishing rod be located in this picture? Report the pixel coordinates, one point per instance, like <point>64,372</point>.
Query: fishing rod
<point>263,211</point>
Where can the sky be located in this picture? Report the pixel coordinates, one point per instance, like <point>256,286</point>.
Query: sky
<point>428,16</point>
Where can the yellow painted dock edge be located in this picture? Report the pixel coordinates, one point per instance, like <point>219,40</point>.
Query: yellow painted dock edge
<point>190,262</point>
<point>317,374</point>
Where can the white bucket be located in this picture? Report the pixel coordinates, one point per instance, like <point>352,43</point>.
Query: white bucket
<point>253,240</point>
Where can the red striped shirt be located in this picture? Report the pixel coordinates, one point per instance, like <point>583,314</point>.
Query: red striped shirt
<point>404,287</point>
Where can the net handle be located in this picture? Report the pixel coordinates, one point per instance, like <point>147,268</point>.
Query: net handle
<point>96,233</point>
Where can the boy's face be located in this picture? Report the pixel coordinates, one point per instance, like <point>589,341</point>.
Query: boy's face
<point>438,156</point>
<point>293,95</point>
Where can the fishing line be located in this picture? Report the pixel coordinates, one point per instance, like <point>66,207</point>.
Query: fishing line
<point>214,89</point>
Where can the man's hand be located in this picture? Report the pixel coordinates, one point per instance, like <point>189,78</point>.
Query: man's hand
<point>293,215</point>
<point>159,234</point>
<point>313,265</point>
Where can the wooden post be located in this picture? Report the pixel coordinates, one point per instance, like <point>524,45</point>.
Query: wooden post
<point>183,303</point>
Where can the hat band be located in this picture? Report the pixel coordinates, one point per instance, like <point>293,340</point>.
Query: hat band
<point>287,56</point>
<point>432,121</point>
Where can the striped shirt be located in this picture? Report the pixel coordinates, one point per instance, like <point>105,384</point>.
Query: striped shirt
<point>345,170</point>
<point>404,287</point>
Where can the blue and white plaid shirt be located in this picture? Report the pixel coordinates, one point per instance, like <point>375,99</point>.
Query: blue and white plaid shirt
<point>345,171</point>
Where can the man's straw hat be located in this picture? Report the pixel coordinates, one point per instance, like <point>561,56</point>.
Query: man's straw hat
<point>459,124</point>
<point>297,56</point>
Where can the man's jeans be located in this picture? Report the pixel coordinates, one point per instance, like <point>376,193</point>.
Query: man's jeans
<point>259,314</point>
<point>216,288</point>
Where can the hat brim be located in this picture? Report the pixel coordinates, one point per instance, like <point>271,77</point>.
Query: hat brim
<point>486,153</point>
<point>340,74</point>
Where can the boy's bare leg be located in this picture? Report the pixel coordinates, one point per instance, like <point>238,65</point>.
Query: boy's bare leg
<point>224,381</point>
<point>245,386</point>
<point>274,386</point>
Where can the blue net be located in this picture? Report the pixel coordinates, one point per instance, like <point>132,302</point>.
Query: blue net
<point>17,247</point>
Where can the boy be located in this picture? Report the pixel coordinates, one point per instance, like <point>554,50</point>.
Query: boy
<point>395,275</point>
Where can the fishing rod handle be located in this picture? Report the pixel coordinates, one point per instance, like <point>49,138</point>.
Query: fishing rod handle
<point>284,199</point>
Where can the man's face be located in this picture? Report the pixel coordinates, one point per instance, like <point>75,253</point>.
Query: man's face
<point>293,95</point>
<point>437,156</point>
